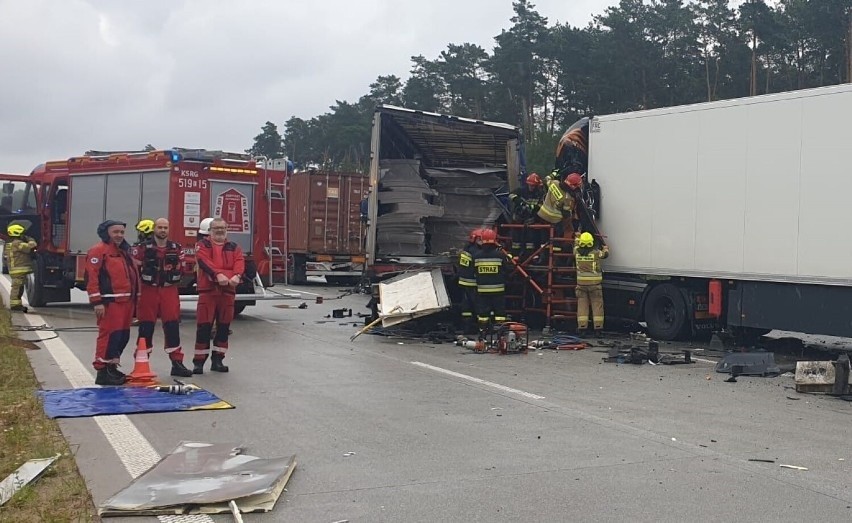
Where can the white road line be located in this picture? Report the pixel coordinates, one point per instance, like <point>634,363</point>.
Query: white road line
<point>132,448</point>
<point>260,318</point>
<point>479,381</point>
<point>300,291</point>
<point>705,361</point>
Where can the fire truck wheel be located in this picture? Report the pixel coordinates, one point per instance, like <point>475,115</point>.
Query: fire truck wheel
<point>35,285</point>
<point>665,313</point>
<point>239,308</point>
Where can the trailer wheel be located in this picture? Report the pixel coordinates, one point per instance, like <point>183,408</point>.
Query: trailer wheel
<point>35,285</point>
<point>296,270</point>
<point>666,313</point>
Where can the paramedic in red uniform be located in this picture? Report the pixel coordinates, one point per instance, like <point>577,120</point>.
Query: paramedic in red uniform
<point>112,286</point>
<point>221,265</point>
<point>160,263</point>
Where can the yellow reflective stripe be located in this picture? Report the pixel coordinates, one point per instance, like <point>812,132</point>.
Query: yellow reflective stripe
<point>20,271</point>
<point>490,288</point>
<point>466,282</point>
<point>589,279</point>
<point>547,213</point>
<point>554,189</point>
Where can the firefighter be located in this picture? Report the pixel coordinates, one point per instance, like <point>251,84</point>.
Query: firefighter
<point>112,283</point>
<point>161,268</point>
<point>589,277</point>
<point>19,260</point>
<point>467,278</point>
<point>490,266</point>
<point>558,206</point>
<point>524,204</point>
<point>144,231</point>
<point>221,265</point>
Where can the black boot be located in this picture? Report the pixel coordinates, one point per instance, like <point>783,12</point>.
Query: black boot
<point>178,369</point>
<point>198,366</point>
<point>216,363</point>
<point>110,375</point>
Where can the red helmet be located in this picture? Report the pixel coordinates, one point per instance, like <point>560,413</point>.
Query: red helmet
<point>474,234</point>
<point>489,236</point>
<point>534,180</point>
<point>574,181</point>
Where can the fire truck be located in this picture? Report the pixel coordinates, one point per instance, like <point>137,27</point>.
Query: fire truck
<point>65,201</point>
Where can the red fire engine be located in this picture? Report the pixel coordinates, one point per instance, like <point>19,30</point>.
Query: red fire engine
<point>66,200</point>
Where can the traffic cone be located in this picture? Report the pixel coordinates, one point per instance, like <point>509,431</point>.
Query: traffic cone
<point>141,375</point>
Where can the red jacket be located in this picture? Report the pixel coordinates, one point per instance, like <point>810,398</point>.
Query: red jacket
<point>110,274</point>
<point>231,263</point>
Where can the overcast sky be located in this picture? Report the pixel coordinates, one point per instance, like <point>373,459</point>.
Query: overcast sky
<point>119,74</point>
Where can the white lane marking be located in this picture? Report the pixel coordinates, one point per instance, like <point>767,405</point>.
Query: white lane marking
<point>299,291</point>
<point>133,449</point>
<point>479,381</point>
<point>259,318</point>
<point>705,361</point>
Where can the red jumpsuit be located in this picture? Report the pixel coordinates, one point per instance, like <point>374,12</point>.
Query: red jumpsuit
<point>160,271</point>
<point>112,282</point>
<point>215,302</point>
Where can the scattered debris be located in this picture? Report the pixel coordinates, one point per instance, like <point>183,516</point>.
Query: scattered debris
<point>341,313</point>
<point>831,377</point>
<point>748,364</point>
<point>23,476</point>
<point>792,398</point>
<point>794,467</point>
<point>347,454</point>
<point>762,460</point>
<point>204,478</point>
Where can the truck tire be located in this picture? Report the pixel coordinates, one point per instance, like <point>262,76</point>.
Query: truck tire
<point>34,287</point>
<point>343,281</point>
<point>297,270</point>
<point>239,307</point>
<point>666,313</point>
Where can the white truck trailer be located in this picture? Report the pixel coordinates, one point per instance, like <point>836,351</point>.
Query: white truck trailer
<point>732,214</point>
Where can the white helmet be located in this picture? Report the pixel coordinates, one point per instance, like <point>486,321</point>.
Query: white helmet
<point>204,226</point>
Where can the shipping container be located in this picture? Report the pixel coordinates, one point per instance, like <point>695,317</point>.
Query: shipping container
<point>325,229</point>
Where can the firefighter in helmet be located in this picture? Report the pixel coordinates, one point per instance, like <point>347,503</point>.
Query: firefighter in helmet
<point>19,260</point>
<point>161,268</point>
<point>467,278</point>
<point>587,258</point>
<point>557,208</point>
<point>524,204</point>
<point>490,266</point>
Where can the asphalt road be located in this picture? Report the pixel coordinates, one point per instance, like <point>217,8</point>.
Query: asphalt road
<point>389,429</point>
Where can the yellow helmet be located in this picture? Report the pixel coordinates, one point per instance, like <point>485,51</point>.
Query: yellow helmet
<point>145,226</point>
<point>586,240</point>
<point>15,230</point>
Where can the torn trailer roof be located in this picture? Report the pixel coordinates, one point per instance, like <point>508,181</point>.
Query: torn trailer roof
<point>433,178</point>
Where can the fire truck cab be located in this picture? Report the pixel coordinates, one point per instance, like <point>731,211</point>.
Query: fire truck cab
<point>66,200</point>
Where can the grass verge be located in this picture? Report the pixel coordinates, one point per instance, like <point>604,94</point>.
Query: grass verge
<point>60,495</point>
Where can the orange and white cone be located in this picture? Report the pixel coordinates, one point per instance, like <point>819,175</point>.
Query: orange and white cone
<point>141,375</point>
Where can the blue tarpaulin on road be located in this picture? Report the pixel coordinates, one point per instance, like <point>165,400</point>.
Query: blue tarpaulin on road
<point>102,401</point>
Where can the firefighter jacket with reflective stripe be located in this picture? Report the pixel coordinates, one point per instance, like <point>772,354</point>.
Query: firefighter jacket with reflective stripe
<point>213,259</point>
<point>557,204</point>
<point>588,261</point>
<point>159,266</point>
<point>110,274</point>
<point>524,203</point>
<point>467,274</point>
<point>490,265</point>
<point>19,255</point>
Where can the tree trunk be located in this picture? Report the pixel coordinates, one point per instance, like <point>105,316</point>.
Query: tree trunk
<point>753,80</point>
<point>849,50</point>
<point>707,75</point>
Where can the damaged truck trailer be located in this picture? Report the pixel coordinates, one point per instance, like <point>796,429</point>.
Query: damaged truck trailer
<point>433,178</point>
<point>731,214</point>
